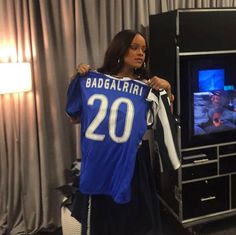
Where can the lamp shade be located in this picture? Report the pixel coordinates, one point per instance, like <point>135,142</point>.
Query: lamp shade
<point>15,77</point>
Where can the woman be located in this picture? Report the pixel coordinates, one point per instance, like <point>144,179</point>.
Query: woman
<point>126,56</point>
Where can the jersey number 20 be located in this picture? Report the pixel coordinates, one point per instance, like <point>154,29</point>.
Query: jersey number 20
<point>102,112</point>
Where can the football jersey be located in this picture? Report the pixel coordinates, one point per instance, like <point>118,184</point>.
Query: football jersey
<point>165,135</point>
<point>113,116</point>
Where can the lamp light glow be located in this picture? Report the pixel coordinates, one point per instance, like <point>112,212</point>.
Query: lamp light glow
<point>15,77</point>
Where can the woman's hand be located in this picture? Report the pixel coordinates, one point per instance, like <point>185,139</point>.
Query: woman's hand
<point>82,69</point>
<point>160,83</point>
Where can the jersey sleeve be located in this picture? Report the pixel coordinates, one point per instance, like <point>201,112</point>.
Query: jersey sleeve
<point>165,136</point>
<point>74,103</point>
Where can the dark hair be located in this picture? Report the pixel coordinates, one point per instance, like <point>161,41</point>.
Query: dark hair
<point>114,56</point>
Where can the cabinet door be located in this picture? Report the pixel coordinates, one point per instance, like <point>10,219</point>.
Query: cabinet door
<point>205,197</point>
<point>233,187</point>
<point>199,171</point>
<point>228,164</point>
<point>207,30</point>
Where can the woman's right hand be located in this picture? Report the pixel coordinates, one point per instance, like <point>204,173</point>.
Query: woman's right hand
<point>160,83</point>
<point>82,69</point>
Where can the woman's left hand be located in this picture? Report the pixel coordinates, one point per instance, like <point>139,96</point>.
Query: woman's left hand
<point>160,83</point>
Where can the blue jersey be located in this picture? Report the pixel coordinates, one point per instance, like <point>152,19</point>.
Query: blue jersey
<point>113,116</point>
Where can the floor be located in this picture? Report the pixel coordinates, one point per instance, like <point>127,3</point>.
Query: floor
<point>170,226</point>
<point>225,226</point>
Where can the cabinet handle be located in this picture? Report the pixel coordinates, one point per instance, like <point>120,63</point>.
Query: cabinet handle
<point>201,160</point>
<point>194,156</point>
<point>203,199</point>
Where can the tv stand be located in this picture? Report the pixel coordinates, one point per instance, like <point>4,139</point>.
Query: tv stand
<point>203,189</point>
<point>205,185</point>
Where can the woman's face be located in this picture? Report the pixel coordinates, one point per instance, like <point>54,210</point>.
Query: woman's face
<point>135,55</point>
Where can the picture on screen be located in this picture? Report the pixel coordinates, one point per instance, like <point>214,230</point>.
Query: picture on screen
<point>211,79</point>
<point>214,111</point>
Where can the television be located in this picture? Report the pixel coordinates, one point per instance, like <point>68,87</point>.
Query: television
<point>208,84</point>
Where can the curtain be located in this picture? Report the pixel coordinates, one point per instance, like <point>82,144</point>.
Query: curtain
<point>37,142</point>
<point>36,139</point>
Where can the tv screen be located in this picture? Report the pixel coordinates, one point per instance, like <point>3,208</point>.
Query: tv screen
<point>214,103</point>
<point>208,99</point>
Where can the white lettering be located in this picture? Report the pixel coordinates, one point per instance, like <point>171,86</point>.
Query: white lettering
<point>136,90</point>
<point>100,82</point>
<point>106,85</point>
<point>94,83</point>
<point>88,82</point>
<point>131,88</point>
<point>113,85</point>
<point>117,85</point>
<point>141,91</point>
<point>125,87</point>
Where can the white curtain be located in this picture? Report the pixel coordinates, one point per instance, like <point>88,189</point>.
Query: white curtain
<point>36,140</point>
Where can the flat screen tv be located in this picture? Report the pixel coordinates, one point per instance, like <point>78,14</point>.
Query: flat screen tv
<point>208,99</point>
